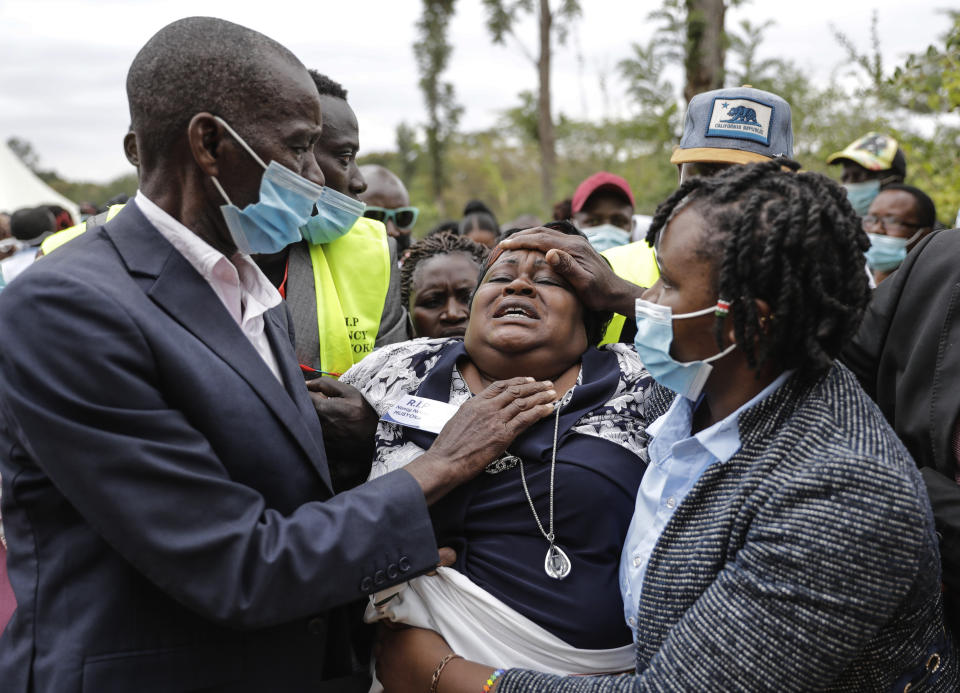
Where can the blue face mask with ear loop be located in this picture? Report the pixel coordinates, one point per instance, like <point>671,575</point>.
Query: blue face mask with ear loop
<point>336,215</point>
<point>886,253</point>
<point>606,236</point>
<point>861,195</point>
<point>272,222</point>
<point>652,343</point>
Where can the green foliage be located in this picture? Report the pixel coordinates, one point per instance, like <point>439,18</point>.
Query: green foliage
<point>657,115</point>
<point>502,16</point>
<point>500,165</point>
<point>751,69</point>
<point>930,81</point>
<point>25,152</point>
<point>432,52</point>
<point>97,193</point>
<point>870,64</point>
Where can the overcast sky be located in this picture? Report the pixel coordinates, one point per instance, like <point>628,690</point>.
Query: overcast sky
<point>63,62</point>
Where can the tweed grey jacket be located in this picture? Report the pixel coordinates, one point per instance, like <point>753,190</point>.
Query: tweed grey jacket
<point>807,562</point>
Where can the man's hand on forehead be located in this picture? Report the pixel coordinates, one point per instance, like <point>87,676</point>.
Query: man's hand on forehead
<point>588,272</point>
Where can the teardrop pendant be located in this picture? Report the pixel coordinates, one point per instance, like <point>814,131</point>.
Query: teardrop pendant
<point>556,564</point>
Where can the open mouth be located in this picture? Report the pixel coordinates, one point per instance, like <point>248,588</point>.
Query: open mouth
<point>514,309</point>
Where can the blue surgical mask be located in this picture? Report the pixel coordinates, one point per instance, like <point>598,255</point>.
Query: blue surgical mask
<point>887,252</point>
<point>336,215</point>
<point>273,222</point>
<point>653,340</point>
<point>606,236</point>
<point>861,195</point>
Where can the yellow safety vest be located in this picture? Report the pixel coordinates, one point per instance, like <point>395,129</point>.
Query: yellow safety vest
<point>58,239</point>
<point>636,263</point>
<point>351,276</point>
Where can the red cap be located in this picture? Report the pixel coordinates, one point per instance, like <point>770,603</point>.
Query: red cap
<point>596,181</point>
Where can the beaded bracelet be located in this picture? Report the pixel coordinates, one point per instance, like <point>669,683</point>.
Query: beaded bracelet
<point>435,681</point>
<point>493,677</point>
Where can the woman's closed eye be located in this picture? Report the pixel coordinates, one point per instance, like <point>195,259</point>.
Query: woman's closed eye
<point>550,281</point>
<point>499,278</point>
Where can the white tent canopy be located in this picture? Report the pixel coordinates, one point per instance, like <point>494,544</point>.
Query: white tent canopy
<point>20,187</point>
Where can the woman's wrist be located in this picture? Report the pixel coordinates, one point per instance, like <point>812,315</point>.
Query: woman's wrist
<point>435,679</point>
<point>463,676</point>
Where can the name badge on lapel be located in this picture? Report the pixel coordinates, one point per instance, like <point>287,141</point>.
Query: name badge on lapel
<point>421,413</point>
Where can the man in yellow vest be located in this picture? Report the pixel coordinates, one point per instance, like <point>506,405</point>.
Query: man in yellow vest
<point>343,294</point>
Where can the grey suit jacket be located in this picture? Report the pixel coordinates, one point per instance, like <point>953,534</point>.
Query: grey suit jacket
<point>808,561</point>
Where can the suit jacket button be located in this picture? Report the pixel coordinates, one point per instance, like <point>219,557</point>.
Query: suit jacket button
<point>392,571</point>
<point>316,626</point>
<point>404,564</point>
<point>379,578</point>
<point>366,585</point>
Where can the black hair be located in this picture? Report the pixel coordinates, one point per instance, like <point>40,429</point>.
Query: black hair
<point>31,223</point>
<point>790,239</point>
<point>477,215</point>
<point>199,64</point>
<point>327,87</point>
<point>431,246</point>
<point>594,321</point>
<point>926,210</point>
<point>449,225</point>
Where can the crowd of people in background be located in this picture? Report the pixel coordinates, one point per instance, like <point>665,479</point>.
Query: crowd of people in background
<point>716,447</point>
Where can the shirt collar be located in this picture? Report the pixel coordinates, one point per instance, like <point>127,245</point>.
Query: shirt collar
<point>722,439</point>
<point>258,294</point>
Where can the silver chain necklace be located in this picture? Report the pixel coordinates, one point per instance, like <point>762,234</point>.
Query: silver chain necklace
<point>557,563</point>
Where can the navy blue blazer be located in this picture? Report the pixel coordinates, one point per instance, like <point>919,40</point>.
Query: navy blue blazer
<point>167,503</point>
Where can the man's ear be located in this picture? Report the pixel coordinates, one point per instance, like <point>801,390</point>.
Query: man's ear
<point>205,137</point>
<point>130,149</point>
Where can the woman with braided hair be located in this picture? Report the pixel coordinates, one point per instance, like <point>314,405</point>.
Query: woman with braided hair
<point>781,537</point>
<point>438,276</point>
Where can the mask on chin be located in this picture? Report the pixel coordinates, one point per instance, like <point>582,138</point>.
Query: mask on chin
<point>336,215</point>
<point>272,222</point>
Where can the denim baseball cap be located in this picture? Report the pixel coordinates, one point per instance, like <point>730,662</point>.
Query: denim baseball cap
<point>735,126</point>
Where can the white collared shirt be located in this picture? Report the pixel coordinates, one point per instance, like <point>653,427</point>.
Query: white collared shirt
<point>245,291</point>
<point>678,458</point>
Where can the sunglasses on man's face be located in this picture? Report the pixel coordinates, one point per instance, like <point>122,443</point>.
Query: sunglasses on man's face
<point>403,217</point>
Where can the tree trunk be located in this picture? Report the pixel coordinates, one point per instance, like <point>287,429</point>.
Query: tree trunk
<point>548,153</point>
<point>706,48</point>
<point>436,166</point>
